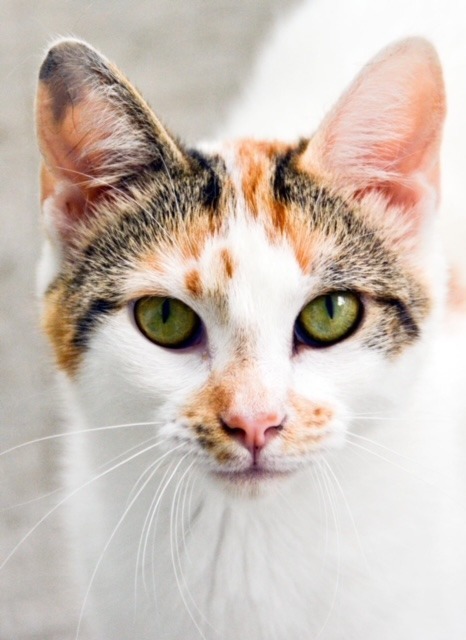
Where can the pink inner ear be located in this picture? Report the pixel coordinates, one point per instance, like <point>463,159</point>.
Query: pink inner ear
<point>74,163</point>
<point>85,143</point>
<point>77,166</point>
<point>67,203</point>
<point>385,131</point>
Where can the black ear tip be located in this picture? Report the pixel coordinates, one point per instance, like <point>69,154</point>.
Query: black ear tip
<point>49,66</point>
<point>63,73</point>
<point>70,52</point>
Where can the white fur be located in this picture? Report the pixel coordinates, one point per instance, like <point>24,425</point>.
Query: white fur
<point>378,554</point>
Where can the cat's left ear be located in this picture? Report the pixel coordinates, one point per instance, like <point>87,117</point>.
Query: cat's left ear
<point>384,134</point>
<point>95,134</point>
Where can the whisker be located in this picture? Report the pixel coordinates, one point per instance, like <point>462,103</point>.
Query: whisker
<point>157,465</point>
<point>189,594</point>
<point>141,477</point>
<point>197,511</point>
<point>381,446</point>
<point>323,507</point>
<point>66,434</point>
<point>388,461</point>
<point>68,497</point>
<point>348,509</point>
<point>100,466</point>
<point>109,541</point>
<point>331,497</point>
<point>105,464</point>
<point>155,510</point>
<point>176,562</point>
<point>135,447</point>
<point>146,530</point>
<point>395,418</point>
<point>186,509</point>
<point>412,473</point>
<point>25,503</point>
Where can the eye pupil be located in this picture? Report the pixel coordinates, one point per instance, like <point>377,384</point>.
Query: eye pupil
<point>329,306</point>
<point>165,310</point>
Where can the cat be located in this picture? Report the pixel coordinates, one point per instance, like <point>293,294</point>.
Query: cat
<point>261,343</point>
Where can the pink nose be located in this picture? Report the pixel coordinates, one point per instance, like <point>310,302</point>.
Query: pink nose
<point>254,432</point>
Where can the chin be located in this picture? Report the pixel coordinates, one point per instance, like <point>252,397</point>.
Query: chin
<point>253,481</point>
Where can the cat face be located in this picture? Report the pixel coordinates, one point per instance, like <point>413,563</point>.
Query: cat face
<point>249,297</point>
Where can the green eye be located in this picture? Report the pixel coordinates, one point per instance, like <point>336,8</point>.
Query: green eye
<point>167,322</point>
<point>328,319</point>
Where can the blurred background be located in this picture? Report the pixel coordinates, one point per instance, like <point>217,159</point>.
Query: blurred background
<point>189,58</point>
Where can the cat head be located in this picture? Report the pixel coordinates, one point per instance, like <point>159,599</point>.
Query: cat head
<point>252,298</point>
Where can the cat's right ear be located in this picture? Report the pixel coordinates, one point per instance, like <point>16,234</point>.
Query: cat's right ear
<point>384,133</point>
<point>95,133</point>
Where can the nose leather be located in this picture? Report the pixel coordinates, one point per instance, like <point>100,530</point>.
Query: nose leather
<point>254,431</point>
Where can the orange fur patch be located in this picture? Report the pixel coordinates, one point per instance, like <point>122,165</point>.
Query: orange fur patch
<point>186,243</point>
<point>60,329</point>
<point>193,283</point>
<point>309,414</point>
<point>303,430</point>
<point>257,162</point>
<point>302,241</point>
<point>204,415</point>
<point>228,262</point>
<point>191,239</point>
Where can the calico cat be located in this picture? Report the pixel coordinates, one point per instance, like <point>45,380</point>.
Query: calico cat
<point>266,335</point>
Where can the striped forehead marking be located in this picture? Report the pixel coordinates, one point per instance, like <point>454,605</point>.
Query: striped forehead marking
<point>257,162</point>
<point>255,170</point>
<point>256,181</point>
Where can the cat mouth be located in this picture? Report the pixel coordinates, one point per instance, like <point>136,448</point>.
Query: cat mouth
<point>251,476</point>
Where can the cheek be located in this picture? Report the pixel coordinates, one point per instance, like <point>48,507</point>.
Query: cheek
<point>121,365</point>
<point>343,379</point>
<point>355,381</point>
<point>325,375</point>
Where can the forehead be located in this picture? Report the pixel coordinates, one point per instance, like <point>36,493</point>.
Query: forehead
<point>245,228</point>
<point>241,272</point>
<point>255,171</point>
<point>267,211</point>
<point>253,238</point>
